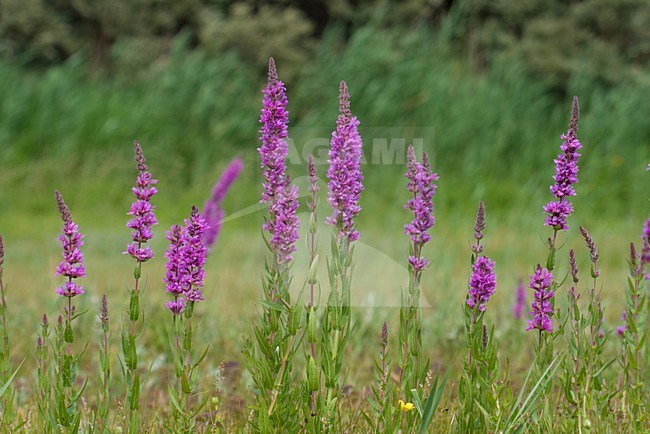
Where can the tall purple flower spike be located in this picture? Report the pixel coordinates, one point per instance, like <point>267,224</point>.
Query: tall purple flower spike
<point>540,282</point>
<point>212,211</point>
<point>421,184</point>
<point>175,277</point>
<point>142,210</point>
<point>566,174</point>
<point>273,135</point>
<point>185,262</point>
<point>72,265</point>
<point>482,283</point>
<point>344,173</point>
<point>278,191</point>
<point>284,223</point>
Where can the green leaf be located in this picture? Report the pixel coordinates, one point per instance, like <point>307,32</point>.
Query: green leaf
<point>432,402</point>
<point>5,386</point>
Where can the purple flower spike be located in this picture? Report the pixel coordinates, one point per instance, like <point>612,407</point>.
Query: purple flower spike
<point>520,301</point>
<point>273,135</point>
<point>421,183</point>
<point>283,224</point>
<point>175,279</point>
<point>194,252</point>
<point>212,211</point>
<point>566,174</point>
<point>279,193</point>
<point>72,265</point>
<point>540,282</point>
<point>482,283</point>
<point>185,261</point>
<point>142,210</point>
<point>344,173</point>
<point>225,181</point>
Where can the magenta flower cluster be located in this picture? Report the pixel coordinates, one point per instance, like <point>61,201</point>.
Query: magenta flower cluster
<point>279,193</point>
<point>566,174</point>
<point>344,172</point>
<point>273,135</point>
<point>541,312</point>
<point>482,283</point>
<point>284,223</point>
<point>72,265</point>
<point>212,210</point>
<point>185,262</point>
<point>421,184</point>
<point>142,210</point>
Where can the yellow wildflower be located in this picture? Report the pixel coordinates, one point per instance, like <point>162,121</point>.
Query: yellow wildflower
<point>405,406</point>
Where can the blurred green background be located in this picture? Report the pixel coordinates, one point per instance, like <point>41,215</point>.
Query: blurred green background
<point>490,81</point>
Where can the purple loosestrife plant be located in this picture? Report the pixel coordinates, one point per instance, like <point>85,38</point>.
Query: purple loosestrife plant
<point>175,280</point>
<point>193,255</point>
<point>481,368</point>
<point>421,185</point>
<point>344,189</point>
<point>284,224</point>
<point>186,256</point>
<point>566,174</point>
<point>541,308</point>
<point>141,222</point>
<point>273,135</point>
<point>541,282</point>
<point>278,192</point>
<point>269,356</point>
<point>481,283</point>
<point>212,211</point>
<point>142,211</point>
<point>71,267</point>
<point>558,210</point>
<point>344,173</point>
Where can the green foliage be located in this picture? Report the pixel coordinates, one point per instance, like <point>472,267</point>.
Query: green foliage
<point>269,355</point>
<point>7,395</point>
<point>186,400</point>
<point>634,341</point>
<point>587,394</point>
<point>336,326</point>
<point>257,34</point>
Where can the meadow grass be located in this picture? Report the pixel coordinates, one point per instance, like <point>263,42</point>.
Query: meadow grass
<point>233,276</point>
